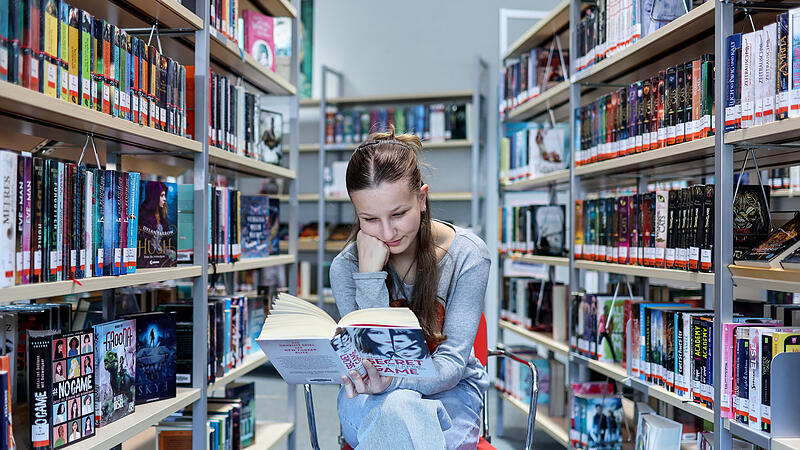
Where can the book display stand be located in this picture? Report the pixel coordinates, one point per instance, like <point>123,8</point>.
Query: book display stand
<point>702,30</point>
<point>57,128</point>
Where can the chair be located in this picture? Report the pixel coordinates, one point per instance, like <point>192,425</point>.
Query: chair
<point>482,352</point>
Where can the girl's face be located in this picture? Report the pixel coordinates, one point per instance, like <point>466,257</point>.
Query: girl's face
<point>406,347</point>
<point>162,199</point>
<point>382,340</point>
<point>391,213</point>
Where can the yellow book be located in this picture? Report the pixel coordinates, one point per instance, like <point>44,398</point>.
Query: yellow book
<point>65,40</point>
<point>51,49</point>
<point>75,17</point>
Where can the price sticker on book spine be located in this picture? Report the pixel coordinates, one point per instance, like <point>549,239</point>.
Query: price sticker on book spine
<point>662,136</point>
<point>82,258</point>
<point>670,257</point>
<point>3,60</point>
<point>680,132</point>
<point>639,143</point>
<point>670,134</point>
<point>37,262</point>
<point>705,259</point>
<point>117,257</point>
<point>623,254</point>
<point>52,75</point>
<point>649,255</point>
<point>100,259</point>
<point>18,262</point>
<point>53,262</point>
<point>660,254</point>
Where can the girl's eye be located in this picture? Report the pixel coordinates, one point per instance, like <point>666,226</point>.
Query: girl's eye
<point>371,219</point>
<point>400,214</point>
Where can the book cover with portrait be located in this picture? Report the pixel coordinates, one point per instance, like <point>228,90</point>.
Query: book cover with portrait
<point>115,370</point>
<point>306,346</point>
<point>259,226</point>
<point>156,355</point>
<point>158,225</point>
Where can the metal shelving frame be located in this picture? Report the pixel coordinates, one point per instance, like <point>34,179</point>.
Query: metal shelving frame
<point>39,115</point>
<point>717,155</point>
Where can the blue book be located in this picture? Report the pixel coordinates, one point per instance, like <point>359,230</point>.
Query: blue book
<point>110,224</point>
<point>156,355</point>
<point>227,344</point>
<point>733,93</point>
<point>133,220</point>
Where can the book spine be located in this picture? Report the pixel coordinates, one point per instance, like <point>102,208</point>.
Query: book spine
<point>733,113</point>
<point>119,212</point>
<point>49,45</point>
<point>40,362</point>
<point>122,191</point>
<point>8,178</point>
<point>79,217</point>
<point>770,68</point>
<point>782,67</point>
<point>766,388</point>
<point>741,404</point>
<point>17,237</point>
<point>116,71</point>
<point>73,41</point>
<point>98,241</point>
<point>109,222</point>
<point>133,219</point>
<point>754,395</point>
<point>64,49</point>
<point>748,80</point>
<point>51,222</point>
<point>707,249</point>
<point>662,208</point>
<point>88,224</point>
<point>37,231</point>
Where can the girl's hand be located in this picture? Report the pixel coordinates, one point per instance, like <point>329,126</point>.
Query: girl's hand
<point>375,383</point>
<point>373,254</point>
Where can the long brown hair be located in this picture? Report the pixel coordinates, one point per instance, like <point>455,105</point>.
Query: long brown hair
<point>386,158</point>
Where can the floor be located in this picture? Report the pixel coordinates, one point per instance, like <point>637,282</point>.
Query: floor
<point>272,397</point>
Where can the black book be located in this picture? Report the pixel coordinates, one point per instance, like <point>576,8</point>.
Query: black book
<point>679,102</point>
<point>156,355</point>
<point>706,250</point>
<point>780,243</point>
<point>697,238</point>
<point>750,218</point>
<point>183,341</point>
<point>671,229</point>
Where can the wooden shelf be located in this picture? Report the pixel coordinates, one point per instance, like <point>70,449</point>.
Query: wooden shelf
<point>56,288</point>
<point>227,53</point>
<point>453,143</point>
<point>770,133</point>
<point>538,337</point>
<point>247,165</point>
<point>776,279</point>
<point>611,370</point>
<point>551,98</point>
<point>687,151</point>
<point>556,427</point>
<point>402,98</point>
<point>276,8</point>
<point>58,119</point>
<point>555,22</point>
<point>310,245</point>
<point>668,38</point>
<point>556,177</point>
<point>650,272</point>
<point>168,13</point>
<point>145,416</point>
<point>539,259</point>
<point>268,434</point>
<point>673,399</point>
<point>252,264</point>
<point>251,363</point>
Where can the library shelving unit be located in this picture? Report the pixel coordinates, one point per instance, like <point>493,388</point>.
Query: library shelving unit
<point>703,29</point>
<point>57,128</point>
<point>474,144</point>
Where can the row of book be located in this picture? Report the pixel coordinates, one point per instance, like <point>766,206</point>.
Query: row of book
<point>613,25</point>
<point>266,38</point>
<point>436,122</point>
<point>533,229</point>
<point>67,221</point>
<point>674,106</point>
<point>531,149</point>
<point>536,305</point>
<point>671,229</point>
<point>231,421</point>
<point>531,74</point>
<point>783,178</point>
<point>514,379</point>
<point>238,123</point>
<point>64,52</point>
<point>759,73</point>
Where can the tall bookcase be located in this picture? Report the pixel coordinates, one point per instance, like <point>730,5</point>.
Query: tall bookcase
<point>703,29</point>
<point>332,96</point>
<point>57,129</point>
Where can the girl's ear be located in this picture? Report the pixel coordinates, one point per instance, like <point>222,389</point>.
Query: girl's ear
<point>423,194</point>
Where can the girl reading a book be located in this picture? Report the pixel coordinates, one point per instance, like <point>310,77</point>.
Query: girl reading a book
<point>399,256</point>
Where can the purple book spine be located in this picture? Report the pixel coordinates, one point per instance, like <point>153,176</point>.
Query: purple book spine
<point>26,218</point>
<point>624,229</point>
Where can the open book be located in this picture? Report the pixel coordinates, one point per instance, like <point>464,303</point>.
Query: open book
<point>306,346</point>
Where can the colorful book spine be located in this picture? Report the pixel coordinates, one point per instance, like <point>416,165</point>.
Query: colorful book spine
<point>133,218</point>
<point>733,113</point>
<point>121,220</point>
<point>98,232</point>
<point>794,62</point>
<point>64,42</point>
<point>782,67</point>
<point>37,231</point>
<point>88,223</point>
<point>63,264</point>
<point>770,68</point>
<point>110,223</point>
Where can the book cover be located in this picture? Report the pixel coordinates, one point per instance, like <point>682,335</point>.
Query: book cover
<point>258,38</point>
<point>246,392</point>
<point>398,350</point>
<point>73,387</point>
<point>156,355</point>
<point>257,228</point>
<point>750,218</point>
<point>549,229</point>
<point>157,240</point>
<point>115,370</point>
<point>39,356</point>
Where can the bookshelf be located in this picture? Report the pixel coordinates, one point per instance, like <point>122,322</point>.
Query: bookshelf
<point>701,30</point>
<point>127,146</point>
<point>268,435</point>
<point>539,259</point>
<point>453,143</point>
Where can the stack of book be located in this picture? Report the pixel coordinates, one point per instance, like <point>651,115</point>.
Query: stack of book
<point>674,106</point>
<point>64,52</point>
<point>530,150</point>
<point>664,229</point>
<point>437,122</point>
<point>531,74</point>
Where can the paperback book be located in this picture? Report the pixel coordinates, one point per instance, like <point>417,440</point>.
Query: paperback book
<point>306,346</point>
<point>115,370</point>
<point>158,225</point>
<point>156,355</point>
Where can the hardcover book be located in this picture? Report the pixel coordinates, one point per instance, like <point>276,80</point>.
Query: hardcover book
<point>158,230</point>
<point>115,370</point>
<point>156,355</point>
<point>322,351</point>
<point>259,226</point>
<point>258,37</point>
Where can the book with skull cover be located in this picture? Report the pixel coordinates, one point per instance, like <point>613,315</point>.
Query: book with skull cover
<point>750,218</point>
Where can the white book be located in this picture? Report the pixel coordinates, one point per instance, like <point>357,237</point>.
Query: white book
<point>759,65</point>
<point>754,382</point>
<point>748,79</point>
<point>770,71</point>
<point>794,63</point>
<point>8,217</point>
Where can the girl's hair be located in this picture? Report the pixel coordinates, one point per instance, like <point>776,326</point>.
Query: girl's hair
<point>385,157</point>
